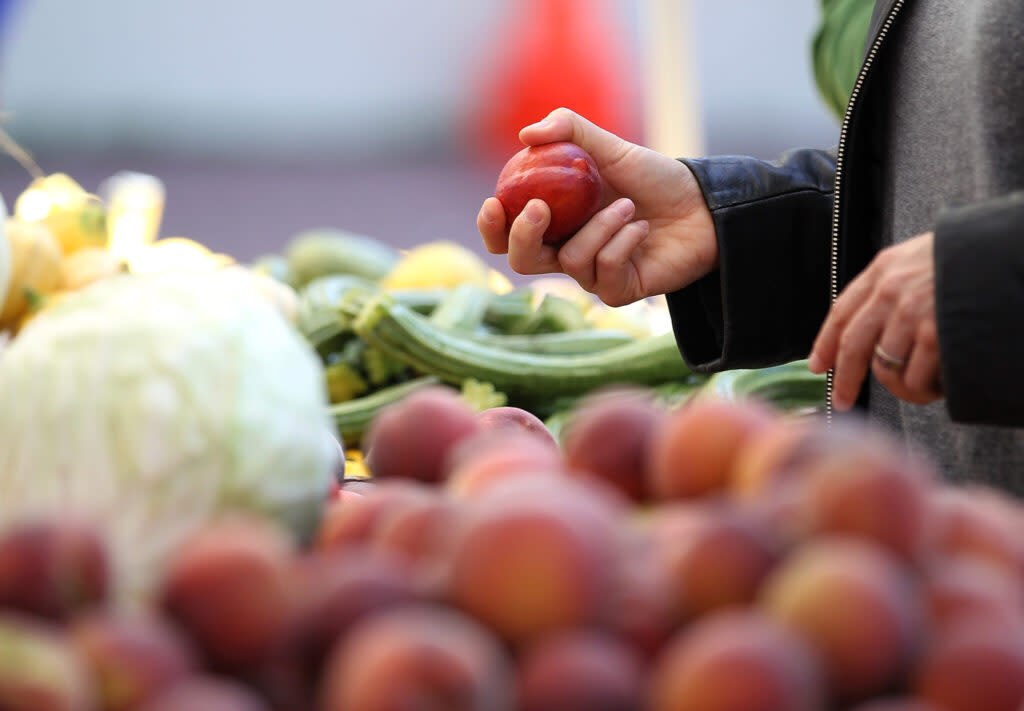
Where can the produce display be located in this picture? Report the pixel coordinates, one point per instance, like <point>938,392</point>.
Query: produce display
<point>352,478</point>
<point>719,556</point>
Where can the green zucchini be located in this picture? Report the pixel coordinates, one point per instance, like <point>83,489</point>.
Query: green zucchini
<point>790,387</point>
<point>554,314</point>
<point>524,377</point>
<point>584,340</point>
<point>354,416</point>
<point>463,308</point>
<point>321,252</point>
<point>508,312</point>
<point>318,316</point>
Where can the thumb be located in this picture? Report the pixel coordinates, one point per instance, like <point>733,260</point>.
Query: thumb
<point>566,125</point>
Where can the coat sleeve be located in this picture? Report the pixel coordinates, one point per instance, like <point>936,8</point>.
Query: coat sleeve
<point>770,293</point>
<point>979,307</point>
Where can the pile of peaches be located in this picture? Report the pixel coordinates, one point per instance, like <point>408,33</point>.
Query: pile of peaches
<point>719,556</point>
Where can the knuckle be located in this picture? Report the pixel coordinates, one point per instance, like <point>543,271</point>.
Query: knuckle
<point>885,258</point>
<point>571,260</point>
<point>927,336</point>
<point>888,289</point>
<point>848,343</point>
<point>904,308</point>
<point>606,262</point>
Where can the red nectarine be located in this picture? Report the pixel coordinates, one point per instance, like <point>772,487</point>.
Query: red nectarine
<point>561,174</point>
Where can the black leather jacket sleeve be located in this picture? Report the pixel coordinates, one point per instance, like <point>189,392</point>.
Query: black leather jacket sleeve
<point>979,302</point>
<point>765,302</point>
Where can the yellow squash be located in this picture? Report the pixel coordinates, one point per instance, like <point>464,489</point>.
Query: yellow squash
<point>35,267</point>
<point>76,218</point>
<point>89,264</point>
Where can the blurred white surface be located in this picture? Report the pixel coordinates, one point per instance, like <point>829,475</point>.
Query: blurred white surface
<point>341,80</point>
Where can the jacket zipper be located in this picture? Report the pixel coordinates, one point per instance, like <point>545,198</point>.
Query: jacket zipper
<point>844,129</point>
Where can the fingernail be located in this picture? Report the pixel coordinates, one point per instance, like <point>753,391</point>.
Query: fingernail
<point>625,208</point>
<point>839,403</point>
<point>543,123</point>
<point>533,213</point>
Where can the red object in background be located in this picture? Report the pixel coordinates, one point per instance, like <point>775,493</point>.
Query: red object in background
<point>551,53</point>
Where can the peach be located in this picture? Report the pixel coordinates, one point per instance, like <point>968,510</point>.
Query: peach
<point>517,419</point>
<point>228,586</point>
<point>976,521</point>
<point>411,438</point>
<point>772,456</point>
<point>531,565</point>
<point>976,668</point>
<point>721,561</point>
<point>856,604</point>
<point>875,492</point>
<point>643,610</point>
<point>418,656</point>
<point>352,520</point>
<point>132,657</point>
<point>53,568</point>
<point>580,669</point>
<point>693,452</point>
<point>205,693</point>
<point>737,659</point>
<point>333,592</point>
<point>417,530</point>
<point>965,589</point>
<point>488,457</point>
<point>561,174</point>
<point>609,437</point>
<point>593,494</point>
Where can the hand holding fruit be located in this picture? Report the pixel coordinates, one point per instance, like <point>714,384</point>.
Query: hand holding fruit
<point>652,233</point>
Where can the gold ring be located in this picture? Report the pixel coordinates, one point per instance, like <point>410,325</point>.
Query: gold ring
<point>889,362</point>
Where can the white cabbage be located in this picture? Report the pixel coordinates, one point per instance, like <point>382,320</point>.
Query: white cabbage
<point>156,402</point>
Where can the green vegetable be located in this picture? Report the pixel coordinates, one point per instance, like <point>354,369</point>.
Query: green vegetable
<point>554,314</point>
<point>790,387</point>
<point>584,340</point>
<point>353,417</point>
<point>155,403</point>
<point>343,382</point>
<point>508,311</point>
<point>463,309</point>
<point>320,299</point>
<point>480,395</point>
<point>525,377</point>
<point>322,252</point>
<point>838,49</point>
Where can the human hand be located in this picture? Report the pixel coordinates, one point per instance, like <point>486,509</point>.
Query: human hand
<point>654,233</point>
<point>885,318</point>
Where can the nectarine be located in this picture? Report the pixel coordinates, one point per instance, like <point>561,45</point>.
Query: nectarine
<point>737,659</point>
<point>561,174</point>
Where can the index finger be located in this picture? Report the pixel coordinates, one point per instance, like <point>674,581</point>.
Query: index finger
<point>826,344</point>
<point>566,125</point>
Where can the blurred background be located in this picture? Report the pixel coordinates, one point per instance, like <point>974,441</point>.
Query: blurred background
<point>389,118</point>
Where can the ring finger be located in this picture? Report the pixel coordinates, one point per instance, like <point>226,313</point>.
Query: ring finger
<point>578,256</point>
<point>892,352</point>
